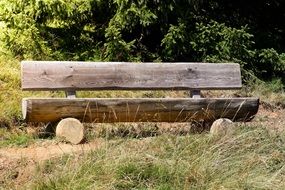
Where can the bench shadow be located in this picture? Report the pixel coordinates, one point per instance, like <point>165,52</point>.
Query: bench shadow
<point>144,130</point>
<point>125,130</point>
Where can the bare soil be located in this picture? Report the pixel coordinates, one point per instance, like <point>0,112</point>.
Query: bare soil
<point>17,164</point>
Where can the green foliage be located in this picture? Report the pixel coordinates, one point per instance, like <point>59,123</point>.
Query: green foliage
<point>30,25</point>
<point>211,41</point>
<point>121,44</point>
<point>217,42</point>
<point>21,36</point>
<point>270,62</point>
<point>128,30</point>
<point>174,42</point>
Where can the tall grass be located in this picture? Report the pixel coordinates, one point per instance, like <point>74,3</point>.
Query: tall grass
<point>251,158</point>
<point>271,93</point>
<point>9,88</point>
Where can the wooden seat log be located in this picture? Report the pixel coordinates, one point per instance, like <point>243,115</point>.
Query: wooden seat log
<point>74,76</point>
<point>110,110</point>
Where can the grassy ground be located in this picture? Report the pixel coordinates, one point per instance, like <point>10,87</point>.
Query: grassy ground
<point>252,157</point>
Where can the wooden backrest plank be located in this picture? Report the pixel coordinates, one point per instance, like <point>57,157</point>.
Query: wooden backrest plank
<point>69,76</point>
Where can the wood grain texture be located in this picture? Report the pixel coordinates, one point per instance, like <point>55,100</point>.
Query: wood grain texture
<point>72,130</point>
<point>69,76</point>
<point>100,110</point>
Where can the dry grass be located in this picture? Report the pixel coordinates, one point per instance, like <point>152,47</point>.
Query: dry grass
<point>251,158</point>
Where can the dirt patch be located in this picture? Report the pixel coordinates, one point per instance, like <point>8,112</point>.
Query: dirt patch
<point>18,164</point>
<point>273,119</point>
<point>47,151</point>
<point>14,172</point>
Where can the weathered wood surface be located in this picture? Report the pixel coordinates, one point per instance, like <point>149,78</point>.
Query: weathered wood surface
<point>69,76</point>
<point>99,110</point>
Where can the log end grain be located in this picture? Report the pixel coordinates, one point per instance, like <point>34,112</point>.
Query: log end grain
<point>71,129</point>
<point>222,126</point>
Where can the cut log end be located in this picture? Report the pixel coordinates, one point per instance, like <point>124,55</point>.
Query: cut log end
<point>71,129</point>
<point>222,126</point>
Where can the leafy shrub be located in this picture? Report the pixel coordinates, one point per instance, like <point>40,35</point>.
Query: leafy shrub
<point>270,62</point>
<point>125,30</point>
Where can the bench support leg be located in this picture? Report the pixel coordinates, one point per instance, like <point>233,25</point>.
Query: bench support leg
<point>70,94</point>
<point>71,129</point>
<point>195,94</point>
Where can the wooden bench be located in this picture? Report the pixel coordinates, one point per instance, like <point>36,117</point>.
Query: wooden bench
<point>75,76</point>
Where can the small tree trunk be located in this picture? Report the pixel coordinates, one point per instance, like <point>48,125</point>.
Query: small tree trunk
<point>70,129</point>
